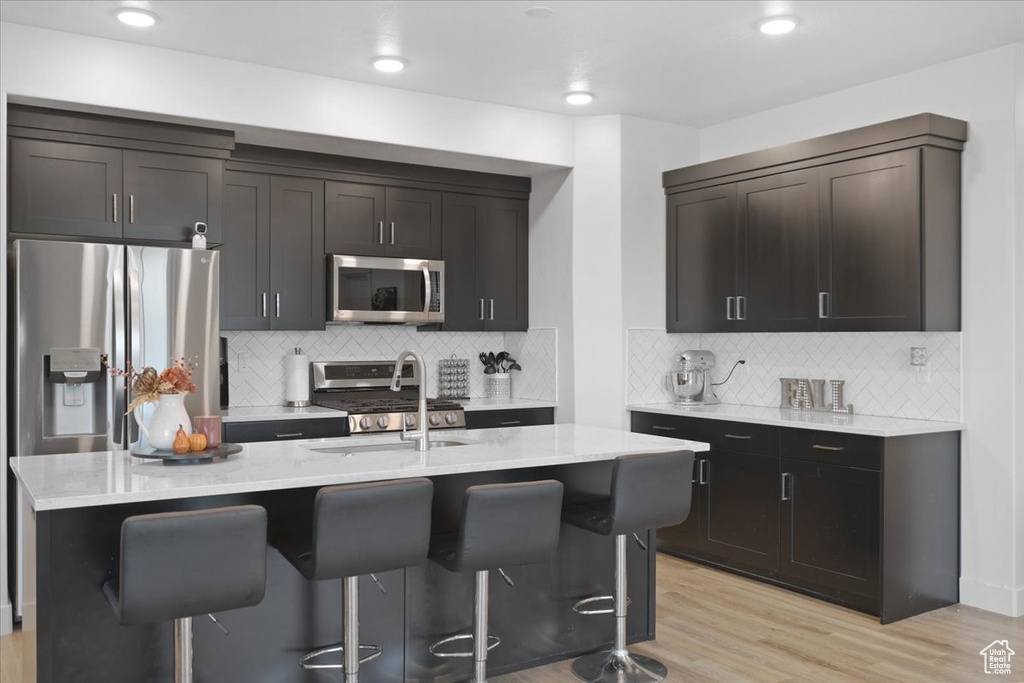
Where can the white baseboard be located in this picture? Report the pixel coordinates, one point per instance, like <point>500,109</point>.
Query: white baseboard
<point>6,619</point>
<point>992,598</point>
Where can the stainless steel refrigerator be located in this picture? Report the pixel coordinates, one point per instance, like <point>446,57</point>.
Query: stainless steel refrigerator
<point>74,302</point>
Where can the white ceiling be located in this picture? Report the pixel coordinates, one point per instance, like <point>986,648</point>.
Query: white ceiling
<point>694,63</point>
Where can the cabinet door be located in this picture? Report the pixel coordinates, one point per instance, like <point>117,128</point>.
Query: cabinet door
<point>830,526</point>
<point>502,270</point>
<point>297,264</point>
<point>870,246</point>
<point>464,308</point>
<point>778,253</point>
<point>701,268</point>
<point>245,255</point>
<point>740,506</point>
<point>354,219</point>
<point>169,193</point>
<point>64,189</point>
<point>413,223</point>
<point>685,538</point>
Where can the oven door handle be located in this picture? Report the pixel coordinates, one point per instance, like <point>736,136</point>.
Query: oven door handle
<point>428,292</point>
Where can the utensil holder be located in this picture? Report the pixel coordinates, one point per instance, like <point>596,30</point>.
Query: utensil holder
<point>498,386</point>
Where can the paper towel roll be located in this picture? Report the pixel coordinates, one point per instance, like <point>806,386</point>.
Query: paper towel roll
<point>296,371</point>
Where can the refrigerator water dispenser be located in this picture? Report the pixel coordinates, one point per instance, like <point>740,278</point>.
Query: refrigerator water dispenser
<point>74,400</point>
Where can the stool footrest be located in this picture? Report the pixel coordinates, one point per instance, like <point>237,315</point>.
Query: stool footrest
<point>578,608</point>
<point>306,660</point>
<point>492,642</point>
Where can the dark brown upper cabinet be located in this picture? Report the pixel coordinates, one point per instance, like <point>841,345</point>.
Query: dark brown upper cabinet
<point>65,189</point>
<point>354,218</point>
<point>486,252</point>
<point>701,267</point>
<point>370,220</point>
<point>245,256</point>
<point>870,260</point>
<point>273,271</point>
<point>167,194</point>
<point>777,267</point>
<point>857,231</point>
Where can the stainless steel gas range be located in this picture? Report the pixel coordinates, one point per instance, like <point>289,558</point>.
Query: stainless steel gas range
<point>362,388</point>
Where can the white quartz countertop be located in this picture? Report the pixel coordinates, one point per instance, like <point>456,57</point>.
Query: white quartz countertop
<point>869,425</point>
<point>55,482</point>
<point>261,413</point>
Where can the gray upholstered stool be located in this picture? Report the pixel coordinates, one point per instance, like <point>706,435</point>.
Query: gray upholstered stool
<point>648,492</point>
<point>178,565</point>
<point>502,525</point>
<point>361,529</point>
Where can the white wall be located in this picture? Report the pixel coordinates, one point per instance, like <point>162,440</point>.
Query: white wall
<point>984,90</point>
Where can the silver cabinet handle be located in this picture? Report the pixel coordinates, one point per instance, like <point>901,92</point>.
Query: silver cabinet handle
<point>785,485</point>
<point>511,423</point>
<point>380,232</point>
<point>277,304</point>
<point>705,472</point>
<point>819,447</point>
<point>822,304</point>
<point>392,232</point>
<point>663,429</point>
<point>741,308</point>
<point>481,309</point>
<point>114,196</point>
<point>742,437</point>
<point>492,309</point>
<point>291,435</point>
<point>264,304</point>
<point>730,301</point>
<point>131,208</point>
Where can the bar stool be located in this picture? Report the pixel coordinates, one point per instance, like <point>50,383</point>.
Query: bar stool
<point>361,529</point>
<point>648,491</point>
<point>179,565</point>
<point>501,525</point>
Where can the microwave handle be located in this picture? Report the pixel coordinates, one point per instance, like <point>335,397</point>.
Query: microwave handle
<point>428,291</point>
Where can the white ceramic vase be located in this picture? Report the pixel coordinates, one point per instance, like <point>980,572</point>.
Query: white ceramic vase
<point>168,415</point>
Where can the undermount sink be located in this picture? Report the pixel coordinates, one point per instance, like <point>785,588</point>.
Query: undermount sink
<point>386,446</point>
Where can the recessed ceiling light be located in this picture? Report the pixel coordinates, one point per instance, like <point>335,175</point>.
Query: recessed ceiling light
<point>137,17</point>
<point>388,65</point>
<point>539,12</point>
<point>776,26</point>
<point>579,97</point>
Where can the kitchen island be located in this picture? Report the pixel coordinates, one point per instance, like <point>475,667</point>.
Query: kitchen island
<point>77,503</point>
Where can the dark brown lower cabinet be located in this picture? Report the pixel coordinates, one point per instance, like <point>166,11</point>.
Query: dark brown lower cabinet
<point>867,522</point>
<point>739,507</point>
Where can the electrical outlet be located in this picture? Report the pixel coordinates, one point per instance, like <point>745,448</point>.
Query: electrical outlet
<point>243,361</point>
<point>918,356</point>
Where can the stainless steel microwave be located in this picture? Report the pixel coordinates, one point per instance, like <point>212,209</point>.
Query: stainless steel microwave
<point>373,289</point>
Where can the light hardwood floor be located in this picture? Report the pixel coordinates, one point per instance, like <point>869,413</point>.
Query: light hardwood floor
<point>714,626</point>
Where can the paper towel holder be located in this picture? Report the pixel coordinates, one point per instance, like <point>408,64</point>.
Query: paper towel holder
<point>299,403</point>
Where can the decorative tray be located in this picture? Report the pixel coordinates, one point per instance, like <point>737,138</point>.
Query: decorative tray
<point>220,452</point>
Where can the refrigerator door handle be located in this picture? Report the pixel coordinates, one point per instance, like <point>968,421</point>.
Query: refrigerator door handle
<point>118,398</point>
<point>135,341</point>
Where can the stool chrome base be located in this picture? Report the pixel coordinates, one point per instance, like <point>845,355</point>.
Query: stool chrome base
<point>304,661</point>
<point>608,667</point>
<point>482,641</point>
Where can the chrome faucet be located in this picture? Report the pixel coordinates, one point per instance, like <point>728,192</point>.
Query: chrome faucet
<point>420,436</point>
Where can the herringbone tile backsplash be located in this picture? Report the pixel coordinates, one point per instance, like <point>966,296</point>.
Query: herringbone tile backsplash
<point>875,366</point>
<point>256,359</point>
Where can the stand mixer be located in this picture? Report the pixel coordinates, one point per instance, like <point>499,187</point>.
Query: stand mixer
<point>690,381</point>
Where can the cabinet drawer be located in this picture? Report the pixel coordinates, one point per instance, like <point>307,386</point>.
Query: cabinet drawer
<point>674,426</point>
<point>833,448</point>
<point>286,430</point>
<point>742,437</point>
<point>521,417</point>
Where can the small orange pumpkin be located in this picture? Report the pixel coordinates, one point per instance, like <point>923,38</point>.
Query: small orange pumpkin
<point>197,442</point>
<point>181,444</point>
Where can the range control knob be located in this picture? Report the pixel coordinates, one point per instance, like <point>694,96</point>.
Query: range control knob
<point>364,423</point>
<point>435,419</point>
<point>383,421</point>
<point>410,421</point>
<point>451,418</point>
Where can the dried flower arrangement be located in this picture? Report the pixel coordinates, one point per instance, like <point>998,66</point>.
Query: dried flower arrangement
<point>148,384</point>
